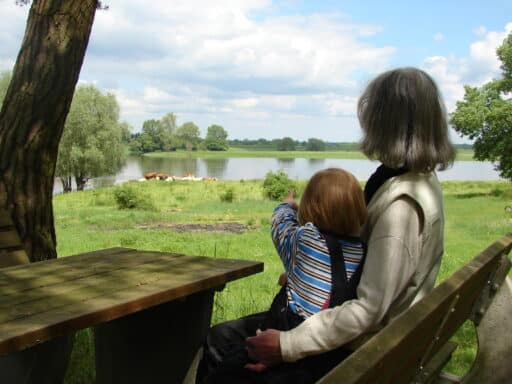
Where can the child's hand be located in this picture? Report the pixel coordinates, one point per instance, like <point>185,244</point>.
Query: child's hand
<point>282,279</point>
<point>290,200</point>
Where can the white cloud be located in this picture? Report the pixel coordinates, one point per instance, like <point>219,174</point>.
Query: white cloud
<point>480,66</point>
<point>242,64</point>
<point>155,95</point>
<point>245,103</point>
<point>483,52</point>
<point>203,59</point>
<point>10,32</point>
<point>223,43</point>
<point>448,73</point>
<point>345,105</point>
<point>280,102</point>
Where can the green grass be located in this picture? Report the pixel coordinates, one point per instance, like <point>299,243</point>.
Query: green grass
<point>90,220</point>
<point>465,154</point>
<point>462,154</point>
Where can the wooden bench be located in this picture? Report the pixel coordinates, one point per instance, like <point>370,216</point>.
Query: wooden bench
<point>11,249</point>
<point>416,345</point>
<point>150,310</point>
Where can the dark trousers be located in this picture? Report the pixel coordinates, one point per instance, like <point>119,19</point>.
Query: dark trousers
<point>224,357</point>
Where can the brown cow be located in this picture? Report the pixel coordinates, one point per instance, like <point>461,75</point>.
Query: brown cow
<point>162,176</point>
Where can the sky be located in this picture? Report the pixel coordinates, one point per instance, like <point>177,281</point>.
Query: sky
<point>270,69</point>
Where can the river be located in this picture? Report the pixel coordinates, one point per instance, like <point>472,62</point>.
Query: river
<point>237,168</point>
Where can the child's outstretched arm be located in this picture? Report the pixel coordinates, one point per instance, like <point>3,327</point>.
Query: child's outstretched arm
<point>290,200</point>
<point>285,228</point>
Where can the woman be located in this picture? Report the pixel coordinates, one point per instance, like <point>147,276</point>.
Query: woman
<point>404,126</point>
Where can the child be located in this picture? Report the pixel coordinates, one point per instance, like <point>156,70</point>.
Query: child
<point>323,256</point>
<point>319,245</point>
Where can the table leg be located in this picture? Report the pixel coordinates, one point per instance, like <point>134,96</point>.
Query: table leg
<point>154,346</point>
<point>44,363</point>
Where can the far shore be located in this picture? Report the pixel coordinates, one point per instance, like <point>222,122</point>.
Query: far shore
<point>462,154</point>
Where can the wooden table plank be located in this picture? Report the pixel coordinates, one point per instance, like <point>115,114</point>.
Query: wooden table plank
<point>89,291</point>
<point>71,273</point>
<point>87,260</point>
<point>146,270</point>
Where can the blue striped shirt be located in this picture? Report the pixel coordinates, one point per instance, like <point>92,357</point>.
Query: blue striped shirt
<point>306,259</point>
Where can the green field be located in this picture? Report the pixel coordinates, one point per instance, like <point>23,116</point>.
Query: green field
<point>462,154</point>
<point>90,220</point>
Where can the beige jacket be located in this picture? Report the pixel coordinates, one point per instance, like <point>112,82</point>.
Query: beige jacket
<point>405,244</point>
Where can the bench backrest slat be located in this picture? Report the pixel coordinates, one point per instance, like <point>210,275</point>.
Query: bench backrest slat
<point>5,219</point>
<point>396,353</point>
<point>9,239</point>
<point>12,251</point>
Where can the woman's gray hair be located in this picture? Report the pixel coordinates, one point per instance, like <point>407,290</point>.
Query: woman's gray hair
<point>404,121</point>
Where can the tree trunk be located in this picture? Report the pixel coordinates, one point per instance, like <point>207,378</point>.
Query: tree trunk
<point>33,115</point>
<point>80,182</point>
<point>66,184</point>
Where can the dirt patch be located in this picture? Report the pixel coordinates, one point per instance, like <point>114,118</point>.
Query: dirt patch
<point>199,227</point>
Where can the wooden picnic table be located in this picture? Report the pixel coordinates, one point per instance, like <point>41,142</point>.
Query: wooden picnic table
<point>150,309</point>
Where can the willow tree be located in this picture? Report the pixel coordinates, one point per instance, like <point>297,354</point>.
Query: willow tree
<point>33,115</point>
<point>92,142</point>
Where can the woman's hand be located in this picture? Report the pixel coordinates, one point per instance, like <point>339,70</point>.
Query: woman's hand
<point>265,349</point>
<point>290,200</point>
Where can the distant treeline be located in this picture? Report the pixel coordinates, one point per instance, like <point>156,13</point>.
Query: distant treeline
<point>312,144</point>
<point>289,144</point>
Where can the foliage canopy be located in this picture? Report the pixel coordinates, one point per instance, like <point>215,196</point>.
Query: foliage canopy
<point>286,144</point>
<point>188,136</point>
<point>485,115</point>
<point>92,141</point>
<point>216,138</point>
<point>5,78</point>
<point>314,144</point>
<point>276,185</point>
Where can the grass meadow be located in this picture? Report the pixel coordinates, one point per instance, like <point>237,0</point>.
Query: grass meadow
<point>90,220</point>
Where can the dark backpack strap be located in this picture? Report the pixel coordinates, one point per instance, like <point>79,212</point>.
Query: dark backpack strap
<point>356,276</point>
<point>341,289</point>
<point>338,271</point>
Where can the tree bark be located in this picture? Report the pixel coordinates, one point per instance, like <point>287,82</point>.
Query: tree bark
<point>33,115</point>
<point>80,182</point>
<point>66,184</point>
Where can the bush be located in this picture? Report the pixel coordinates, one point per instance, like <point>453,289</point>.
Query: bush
<point>277,185</point>
<point>227,196</point>
<point>127,197</point>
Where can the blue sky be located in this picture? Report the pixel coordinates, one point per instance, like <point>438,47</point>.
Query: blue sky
<point>270,69</point>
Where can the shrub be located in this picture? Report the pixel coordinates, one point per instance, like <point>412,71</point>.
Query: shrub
<point>227,196</point>
<point>127,197</point>
<point>277,185</point>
